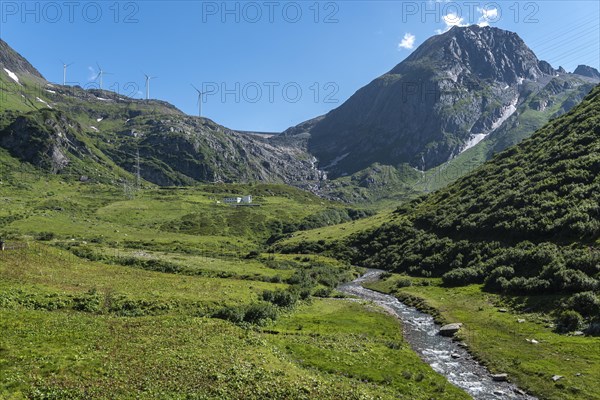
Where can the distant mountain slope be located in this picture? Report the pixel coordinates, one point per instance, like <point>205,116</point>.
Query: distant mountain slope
<point>454,91</point>
<point>99,134</point>
<point>590,72</point>
<point>528,221</point>
<point>15,63</point>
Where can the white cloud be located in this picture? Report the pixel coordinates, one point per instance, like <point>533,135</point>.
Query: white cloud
<point>408,42</point>
<point>487,16</point>
<point>450,20</point>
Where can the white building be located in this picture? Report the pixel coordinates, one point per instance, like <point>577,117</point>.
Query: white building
<point>232,200</point>
<point>238,200</point>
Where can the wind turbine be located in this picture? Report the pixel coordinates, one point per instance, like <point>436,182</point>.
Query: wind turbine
<point>199,100</point>
<point>101,74</point>
<point>65,66</point>
<point>148,78</point>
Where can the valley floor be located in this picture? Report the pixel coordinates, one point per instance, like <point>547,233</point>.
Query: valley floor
<point>106,294</point>
<point>165,294</point>
<point>79,329</point>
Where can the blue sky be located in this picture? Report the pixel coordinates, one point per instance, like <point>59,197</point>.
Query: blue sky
<point>268,65</point>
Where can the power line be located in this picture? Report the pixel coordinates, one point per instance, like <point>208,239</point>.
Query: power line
<point>543,39</point>
<point>569,54</point>
<point>550,45</point>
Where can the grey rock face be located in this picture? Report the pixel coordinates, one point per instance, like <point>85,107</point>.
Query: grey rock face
<point>45,139</point>
<point>450,93</point>
<point>197,149</point>
<point>585,70</point>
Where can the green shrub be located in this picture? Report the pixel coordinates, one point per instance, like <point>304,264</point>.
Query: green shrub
<point>462,276</point>
<point>593,329</point>
<point>570,280</point>
<point>258,313</point>
<point>569,321</point>
<point>403,282</point>
<point>230,313</point>
<point>45,236</point>
<point>322,292</point>
<point>585,303</point>
<point>88,302</point>
<point>280,298</point>
<point>498,278</point>
<point>252,255</point>
<point>385,275</point>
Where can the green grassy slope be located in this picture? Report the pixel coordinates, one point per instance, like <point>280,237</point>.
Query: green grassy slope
<point>133,315</point>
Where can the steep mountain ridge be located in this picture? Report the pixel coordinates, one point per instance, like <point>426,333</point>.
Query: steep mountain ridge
<point>99,134</point>
<point>449,95</point>
<point>15,63</point>
<point>478,52</point>
<point>457,100</point>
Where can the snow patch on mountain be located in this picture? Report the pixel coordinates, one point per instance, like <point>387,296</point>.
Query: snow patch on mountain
<point>12,75</point>
<point>336,161</point>
<point>506,114</point>
<point>43,102</point>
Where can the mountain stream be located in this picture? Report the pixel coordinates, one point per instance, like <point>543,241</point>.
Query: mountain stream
<point>443,354</point>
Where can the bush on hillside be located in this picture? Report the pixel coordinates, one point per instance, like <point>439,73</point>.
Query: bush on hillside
<point>462,276</point>
<point>280,298</point>
<point>569,321</point>
<point>585,303</point>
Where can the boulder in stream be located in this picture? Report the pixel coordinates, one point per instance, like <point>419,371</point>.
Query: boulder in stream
<point>500,377</point>
<point>450,329</point>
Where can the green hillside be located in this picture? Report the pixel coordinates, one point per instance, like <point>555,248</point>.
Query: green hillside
<point>75,329</point>
<point>526,222</point>
<point>107,136</point>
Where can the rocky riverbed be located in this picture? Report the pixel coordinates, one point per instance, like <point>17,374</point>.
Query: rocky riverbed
<point>445,355</point>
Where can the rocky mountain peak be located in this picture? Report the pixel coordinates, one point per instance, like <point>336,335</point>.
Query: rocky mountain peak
<point>453,92</point>
<point>486,52</point>
<point>585,70</point>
